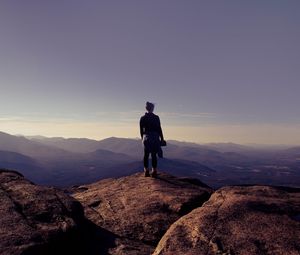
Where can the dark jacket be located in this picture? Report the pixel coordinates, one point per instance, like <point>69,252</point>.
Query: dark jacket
<point>151,133</point>
<point>150,123</point>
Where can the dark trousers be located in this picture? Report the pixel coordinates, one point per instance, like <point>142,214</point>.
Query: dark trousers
<point>153,158</point>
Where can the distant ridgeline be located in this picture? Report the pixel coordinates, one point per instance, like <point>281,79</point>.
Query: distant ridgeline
<point>66,162</point>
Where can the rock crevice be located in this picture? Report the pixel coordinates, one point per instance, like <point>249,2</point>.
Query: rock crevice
<point>140,209</point>
<point>211,241</point>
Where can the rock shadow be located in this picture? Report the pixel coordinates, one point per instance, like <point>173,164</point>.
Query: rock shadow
<point>88,239</point>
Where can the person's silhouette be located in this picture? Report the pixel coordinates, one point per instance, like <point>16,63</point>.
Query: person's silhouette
<point>152,136</point>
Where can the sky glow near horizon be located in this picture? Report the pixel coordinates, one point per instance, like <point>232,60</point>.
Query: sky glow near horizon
<point>218,71</point>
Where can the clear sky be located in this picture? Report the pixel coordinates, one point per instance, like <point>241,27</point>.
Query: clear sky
<point>217,70</point>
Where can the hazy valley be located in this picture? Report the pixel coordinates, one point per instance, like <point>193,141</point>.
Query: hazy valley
<point>66,162</point>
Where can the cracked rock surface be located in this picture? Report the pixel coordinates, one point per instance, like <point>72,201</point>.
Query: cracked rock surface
<point>138,210</point>
<point>239,220</point>
<point>35,219</point>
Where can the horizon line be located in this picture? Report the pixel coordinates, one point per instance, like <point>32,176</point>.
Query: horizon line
<point>138,138</point>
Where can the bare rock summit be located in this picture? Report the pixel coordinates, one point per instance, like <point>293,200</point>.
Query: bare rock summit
<point>137,215</point>
<point>35,219</point>
<point>239,220</point>
<point>138,210</point>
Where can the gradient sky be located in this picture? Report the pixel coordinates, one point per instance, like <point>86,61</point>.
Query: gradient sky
<point>217,70</point>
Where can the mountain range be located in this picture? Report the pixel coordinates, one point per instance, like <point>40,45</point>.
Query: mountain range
<point>65,162</point>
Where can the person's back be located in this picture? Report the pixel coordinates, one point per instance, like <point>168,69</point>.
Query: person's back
<point>151,133</point>
<point>150,123</point>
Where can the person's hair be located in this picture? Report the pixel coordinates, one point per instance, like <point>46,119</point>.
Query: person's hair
<point>149,106</point>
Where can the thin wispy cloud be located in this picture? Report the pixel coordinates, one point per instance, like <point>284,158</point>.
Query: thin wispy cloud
<point>7,119</point>
<point>188,115</point>
<point>76,118</point>
<point>117,116</point>
<point>37,119</point>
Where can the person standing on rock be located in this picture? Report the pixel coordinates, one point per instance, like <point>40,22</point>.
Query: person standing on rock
<point>153,139</point>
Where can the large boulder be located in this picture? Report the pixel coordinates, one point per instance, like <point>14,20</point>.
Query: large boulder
<point>138,210</point>
<point>239,220</point>
<point>37,220</point>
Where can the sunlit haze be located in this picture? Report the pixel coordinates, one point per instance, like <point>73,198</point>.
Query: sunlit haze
<point>218,71</point>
